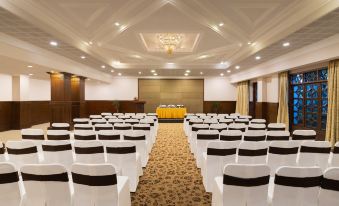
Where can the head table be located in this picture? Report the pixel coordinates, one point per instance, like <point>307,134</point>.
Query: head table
<point>171,113</point>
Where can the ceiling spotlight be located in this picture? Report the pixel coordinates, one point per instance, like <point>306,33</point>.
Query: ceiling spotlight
<point>186,74</point>
<point>117,24</point>
<point>201,73</point>
<point>221,24</point>
<point>188,71</point>
<point>83,57</point>
<point>222,62</point>
<point>237,67</point>
<point>286,44</point>
<point>222,74</point>
<point>103,66</point>
<point>119,74</point>
<point>258,57</point>
<point>228,71</point>
<point>53,43</point>
<point>249,43</point>
<point>139,73</point>
<point>112,70</point>
<point>152,71</point>
<point>30,74</point>
<point>170,63</point>
<point>29,66</point>
<point>90,43</point>
<point>88,79</point>
<point>202,57</point>
<point>155,74</point>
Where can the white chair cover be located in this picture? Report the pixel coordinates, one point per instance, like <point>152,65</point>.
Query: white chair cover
<point>85,135</point>
<point>334,156</point>
<point>300,135</point>
<point>10,193</point>
<point>81,121</point>
<point>329,190</point>
<point>252,152</point>
<point>231,135</point>
<point>83,127</point>
<point>22,152</point>
<point>89,152</point>
<point>275,135</point>
<point>237,126</point>
<point>138,137</point>
<point>255,135</point>
<point>258,121</point>
<point>58,152</point>
<point>255,126</point>
<point>276,127</point>
<point>104,126</point>
<point>203,138</point>
<point>61,126</point>
<point>193,137</point>
<point>58,135</point>
<point>314,153</point>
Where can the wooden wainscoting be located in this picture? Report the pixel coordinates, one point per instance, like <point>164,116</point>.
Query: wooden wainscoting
<point>5,116</point>
<point>266,110</point>
<point>99,106</point>
<point>226,107</point>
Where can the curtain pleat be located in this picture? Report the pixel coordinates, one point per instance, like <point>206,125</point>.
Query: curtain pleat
<point>242,103</point>
<point>332,126</point>
<point>283,100</point>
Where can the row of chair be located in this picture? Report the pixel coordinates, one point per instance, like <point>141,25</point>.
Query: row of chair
<point>52,185</point>
<point>253,185</point>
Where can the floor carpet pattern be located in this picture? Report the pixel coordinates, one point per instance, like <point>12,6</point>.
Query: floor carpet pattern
<point>171,176</point>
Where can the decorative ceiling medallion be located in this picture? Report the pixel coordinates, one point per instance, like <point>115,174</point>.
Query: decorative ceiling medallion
<point>170,42</point>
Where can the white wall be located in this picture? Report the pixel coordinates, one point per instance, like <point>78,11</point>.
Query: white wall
<point>272,88</point>
<point>39,90</point>
<point>118,89</point>
<point>5,87</point>
<point>219,89</point>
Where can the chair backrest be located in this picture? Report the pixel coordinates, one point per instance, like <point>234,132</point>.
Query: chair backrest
<point>95,116</point>
<point>282,153</point>
<point>276,127</point>
<point>115,121</point>
<point>109,135</point>
<point>244,121</point>
<point>104,126</point>
<point>22,152</point>
<point>58,135</point>
<point>221,153</point>
<point>334,157</point>
<point>245,184</point>
<point>81,121</point>
<point>2,152</point>
<point>314,153</point>
<point>253,126</point>
<point>32,134</point>
<point>83,127</point>
<point>122,126</point>
<point>61,126</point>
<point>58,151</point>
<point>10,194</point>
<point>220,127</point>
<point>106,114</point>
<point>258,121</point>
<point>276,135</point>
<point>197,127</point>
<point>195,121</point>
<point>85,135</point>
<point>253,152</point>
<point>231,135</point>
<point>255,135</point>
<point>226,121</point>
<point>304,135</point>
<point>211,121</point>
<point>122,154</point>
<point>329,191</point>
<point>237,126</point>
<point>94,184</point>
<point>89,152</point>
<point>296,186</point>
<point>132,121</point>
<point>46,184</point>
<point>98,121</point>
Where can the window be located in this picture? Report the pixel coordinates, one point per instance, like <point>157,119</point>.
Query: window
<point>308,99</point>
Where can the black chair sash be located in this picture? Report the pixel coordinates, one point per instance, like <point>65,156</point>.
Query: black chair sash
<point>254,138</point>
<point>277,138</point>
<point>76,122</point>
<point>230,137</point>
<point>219,129</point>
<point>132,123</point>
<point>246,182</point>
<point>60,128</point>
<point>255,128</point>
<point>62,177</point>
<point>276,129</point>
<point>298,181</point>
<point>241,129</point>
<point>221,152</point>
<point>195,129</point>
<point>142,128</point>
<point>122,128</point>
<point>11,177</point>
<point>103,128</point>
<point>283,151</point>
<point>126,137</point>
<point>59,137</point>
<point>33,137</point>
<point>109,137</point>
<point>336,150</point>
<point>323,150</point>
<point>303,137</point>
<point>56,148</point>
<point>207,136</point>
<point>28,150</point>
<point>329,184</point>
<point>2,150</point>
<point>105,180</point>
<point>121,150</point>
<point>89,150</point>
<point>253,153</point>
<point>85,137</point>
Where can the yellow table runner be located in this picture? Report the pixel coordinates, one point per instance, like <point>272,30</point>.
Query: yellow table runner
<point>171,113</point>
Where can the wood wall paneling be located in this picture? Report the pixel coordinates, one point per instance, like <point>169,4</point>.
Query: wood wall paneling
<point>5,115</point>
<point>225,107</point>
<point>99,106</point>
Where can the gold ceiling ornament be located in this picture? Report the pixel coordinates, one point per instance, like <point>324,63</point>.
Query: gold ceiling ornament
<point>169,41</point>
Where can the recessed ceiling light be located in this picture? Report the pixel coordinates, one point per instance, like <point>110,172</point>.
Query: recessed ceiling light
<point>30,74</point>
<point>258,57</point>
<point>83,57</point>
<point>119,74</point>
<point>53,43</point>
<point>139,73</point>
<point>202,57</point>
<point>112,70</point>
<point>221,24</point>
<point>201,73</point>
<point>155,74</point>
<point>286,44</point>
<point>188,71</point>
<point>237,67</point>
<point>88,79</point>
<point>222,74</point>
<point>117,24</point>
<point>103,66</point>
<point>222,62</point>
<point>29,66</point>
<point>249,43</point>
<point>152,71</point>
<point>170,63</point>
<point>228,71</point>
<point>186,74</point>
<point>90,43</point>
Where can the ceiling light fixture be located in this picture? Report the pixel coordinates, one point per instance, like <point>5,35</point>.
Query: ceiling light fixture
<point>221,24</point>
<point>103,66</point>
<point>258,57</point>
<point>201,73</point>
<point>29,66</point>
<point>83,57</point>
<point>202,57</point>
<point>53,43</point>
<point>237,67</point>
<point>117,24</point>
<point>155,74</point>
<point>112,70</point>
<point>186,74</point>
<point>90,43</point>
<point>119,74</point>
<point>139,73</point>
<point>286,44</point>
<point>188,71</point>
<point>222,74</point>
<point>228,71</point>
<point>249,43</point>
<point>152,71</point>
<point>169,41</point>
<point>30,74</point>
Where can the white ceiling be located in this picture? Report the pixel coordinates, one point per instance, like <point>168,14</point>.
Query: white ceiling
<point>75,23</point>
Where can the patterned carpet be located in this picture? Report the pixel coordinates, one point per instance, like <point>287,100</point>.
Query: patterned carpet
<point>171,176</point>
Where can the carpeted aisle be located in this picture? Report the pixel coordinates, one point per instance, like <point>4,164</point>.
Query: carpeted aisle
<point>171,176</point>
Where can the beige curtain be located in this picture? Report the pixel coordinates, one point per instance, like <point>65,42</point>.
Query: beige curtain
<point>332,127</point>
<point>283,100</point>
<point>242,98</point>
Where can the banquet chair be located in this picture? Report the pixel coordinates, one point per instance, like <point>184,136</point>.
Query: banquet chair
<point>231,135</point>
<point>84,135</point>
<point>252,127</point>
<point>110,117</point>
<point>151,123</point>
<point>277,135</point>
<point>255,135</point>
<point>190,124</point>
<point>132,121</point>
<point>98,121</point>
<point>2,152</point>
<point>138,137</point>
<point>276,127</point>
<point>104,135</point>
<point>81,121</point>
<point>58,135</point>
<point>211,121</point>
<point>60,126</point>
<point>123,128</point>
<point>104,114</point>
<point>10,193</point>
<point>58,152</point>
<point>95,116</point>
<point>104,126</point>
<point>123,155</point>
<point>237,126</point>
<point>243,121</point>
<point>219,127</point>
<point>296,186</point>
<point>329,190</point>
<point>193,137</point>
<point>258,121</point>
<point>314,153</point>
<point>234,114</point>
<point>225,121</point>
<point>115,121</point>
<point>218,154</point>
<point>35,135</point>
<point>99,185</point>
<point>334,156</point>
<point>252,152</point>
<point>147,130</point>
<point>203,138</point>
<point>118,114</point>
<point>242,185</point>
<point>245,117</point>
<point>83,127</point>
<point>300,135</point>
<point>89,152</point>
<point>46,184</point>
<point>22,152</point>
